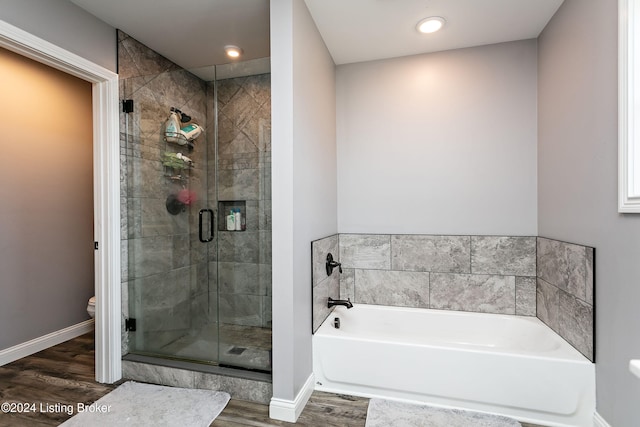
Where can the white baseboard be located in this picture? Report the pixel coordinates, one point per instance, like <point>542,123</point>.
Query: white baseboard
<point>598,421</point>
<point>38,344</point>
<point>290,410</point>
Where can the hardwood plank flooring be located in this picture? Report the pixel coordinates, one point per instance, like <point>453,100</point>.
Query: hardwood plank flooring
<point>323,409</point>
<point>64,375</point>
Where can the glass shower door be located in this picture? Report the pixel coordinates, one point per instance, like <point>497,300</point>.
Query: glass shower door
<point>198,288</point>
<point>172,312</point>
<point>243,182</point>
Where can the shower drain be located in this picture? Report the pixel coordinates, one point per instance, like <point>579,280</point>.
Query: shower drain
<point>236,350</point>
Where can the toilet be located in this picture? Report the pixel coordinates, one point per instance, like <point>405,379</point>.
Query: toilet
<point>91,307</point>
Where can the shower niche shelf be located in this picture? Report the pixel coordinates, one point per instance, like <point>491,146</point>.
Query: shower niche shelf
<point>225,207</point>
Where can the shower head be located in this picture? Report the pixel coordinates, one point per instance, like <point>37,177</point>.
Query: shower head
<point>184,118</point>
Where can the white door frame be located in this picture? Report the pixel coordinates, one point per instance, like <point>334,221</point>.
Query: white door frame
<point>106,187</point>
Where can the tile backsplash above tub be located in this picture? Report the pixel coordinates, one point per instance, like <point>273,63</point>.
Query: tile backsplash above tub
<point>565,292</point>
<point>323,286</point>
<point>525,276</point>
<point>490,274</point>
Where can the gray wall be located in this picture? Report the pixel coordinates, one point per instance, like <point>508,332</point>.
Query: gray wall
<point>440,143</point>
<point>577,181</point>
<point>46,208</point>
<point>66,25</point>
<point>304,182</point>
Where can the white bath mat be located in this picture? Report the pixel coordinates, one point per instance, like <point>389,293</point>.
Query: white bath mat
<point>142,405</point>
<point>385,413</point>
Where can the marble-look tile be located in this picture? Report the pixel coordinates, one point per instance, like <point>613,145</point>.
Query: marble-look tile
<point>442,254</point>
<point>575,323</point>
<point>124,261</point>
<point>264,215</point>
<point>577,271</point>
<point>347,284</point>
<point>547,302</point>
<point>239,246</point>
<point>264,247</point>
<point>238,388</point>
<point>365,251</point>
<point>239,184</point>
<point>551,265</point>
<point>226,89</point>
<point>124,220</point>
<point>267,312</point>
<point>240,108</point>
<point>199,312</point>
<point>234,161</point>
<point>513,256</point>
<point>265,279</point>
<point>144,60</point>
<point>259,87</point>
<point>563,265</point>
<point>238,278</point>
<point>157,221</point>
<point>471,292</point>
<point>526,296</point>
<point>396,288</point>
<point>158,374</point>
<point>329,287</point>
<point>181,254</point>
<point>258,126</point>
<point>319,250</point>
<point>146,179</point>
<point>150,255</point>
<point>320,311</point>
<point>231,140</point>
<point>240,309</point>
<point>590,277</point>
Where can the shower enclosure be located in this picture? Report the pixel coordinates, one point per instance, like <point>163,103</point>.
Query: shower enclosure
<point>195,288</point>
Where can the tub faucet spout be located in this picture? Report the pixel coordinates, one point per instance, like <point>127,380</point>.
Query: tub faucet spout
<point>346,302</point>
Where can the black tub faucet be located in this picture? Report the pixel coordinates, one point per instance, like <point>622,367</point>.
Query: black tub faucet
<point>331,302</point>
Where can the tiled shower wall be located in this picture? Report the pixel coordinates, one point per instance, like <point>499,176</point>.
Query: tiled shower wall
<point>244,173</point>
<point>164,266</point>
<point>168,274</point>
<point>524,276</point>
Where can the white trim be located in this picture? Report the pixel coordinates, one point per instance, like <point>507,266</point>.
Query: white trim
<point>628,143</point>
<point>598,421</point>
<point>106,180</point>
<point>38,344</point>
<point>290,410</point>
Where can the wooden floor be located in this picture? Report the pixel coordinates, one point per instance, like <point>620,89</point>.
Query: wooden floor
<point>64,375</point>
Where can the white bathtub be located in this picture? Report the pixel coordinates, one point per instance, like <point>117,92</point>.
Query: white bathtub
<point>509,365</point>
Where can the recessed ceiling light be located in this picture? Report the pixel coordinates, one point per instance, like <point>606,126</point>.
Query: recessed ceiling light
<point>233,51</point>
<point>430,24</point>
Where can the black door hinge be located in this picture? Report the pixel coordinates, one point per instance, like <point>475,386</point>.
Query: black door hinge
<point>95,245</point>
<point>130,324</point>
<point>127,105</point>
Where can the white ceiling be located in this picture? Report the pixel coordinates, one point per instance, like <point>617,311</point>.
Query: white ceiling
<point>365,30</point>
<point>193,33</point>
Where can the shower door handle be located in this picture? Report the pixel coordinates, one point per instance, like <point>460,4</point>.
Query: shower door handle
<point>200,229</point>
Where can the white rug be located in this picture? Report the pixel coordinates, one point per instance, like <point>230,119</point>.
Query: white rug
<point>386,413</point>
<point>141,405</point>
